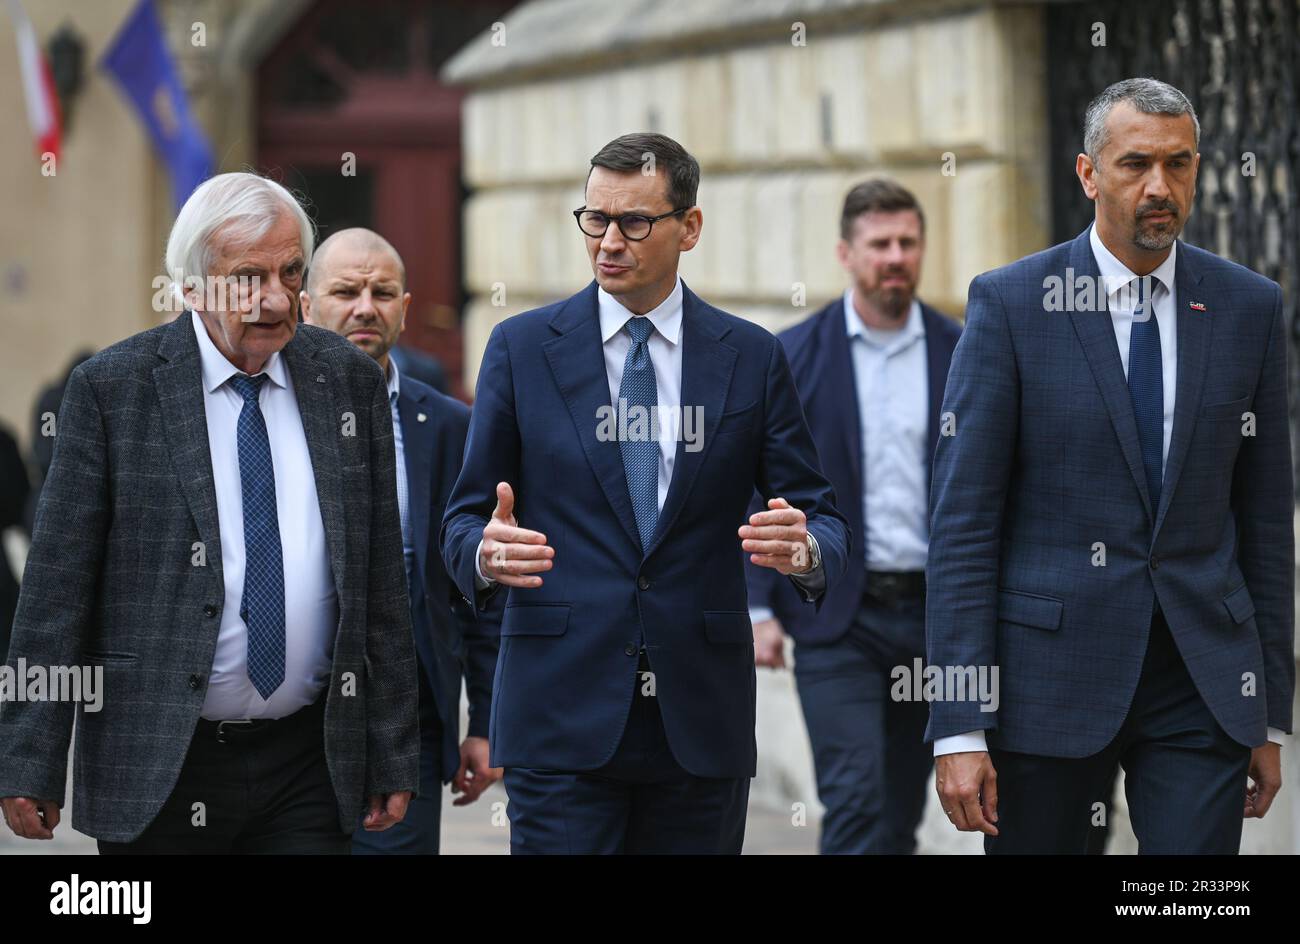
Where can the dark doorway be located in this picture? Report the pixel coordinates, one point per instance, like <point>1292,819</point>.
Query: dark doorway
<point>352,116</point>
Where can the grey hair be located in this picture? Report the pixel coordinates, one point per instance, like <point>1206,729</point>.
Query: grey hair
<point>240,207</point>
<point>1149,96</point>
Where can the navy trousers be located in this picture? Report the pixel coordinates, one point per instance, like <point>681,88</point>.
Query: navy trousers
<point>641,802</point>
<point>419,832</point>
<point>871,760</point>
<point>1185,779</point>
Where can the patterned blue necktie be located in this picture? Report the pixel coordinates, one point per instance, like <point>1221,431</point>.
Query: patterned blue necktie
<point>1147,389</point>
<point>641,457</point>
<point>263,604</point>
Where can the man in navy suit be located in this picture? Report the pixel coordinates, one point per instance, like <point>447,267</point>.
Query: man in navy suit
<point>1112,515</point>
<point>616,440</point>
<point>356,287</point>
<point>871,368</point>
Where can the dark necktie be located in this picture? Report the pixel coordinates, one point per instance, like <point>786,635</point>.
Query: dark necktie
<point>1146,387</point>
<point>263,604</point>
<point>641,456</point>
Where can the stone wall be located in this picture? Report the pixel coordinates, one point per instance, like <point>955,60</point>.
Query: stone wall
<point>950,105</point>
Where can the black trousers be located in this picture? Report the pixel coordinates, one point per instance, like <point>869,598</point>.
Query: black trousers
<point>261,791</point>
<point>1185,778</point>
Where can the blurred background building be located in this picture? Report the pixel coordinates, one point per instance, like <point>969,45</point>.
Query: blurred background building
<point>461,130</point>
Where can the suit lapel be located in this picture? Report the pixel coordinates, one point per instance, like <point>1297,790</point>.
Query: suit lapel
<point>1193,328</point>
<point>707,365</point>
<point>1096,334</point>
<point>937,357</point>
<point>841,386</point>
<point>179,383</point>
<point>417,449</point>
<point>313,384</point>
<point>577,361</point>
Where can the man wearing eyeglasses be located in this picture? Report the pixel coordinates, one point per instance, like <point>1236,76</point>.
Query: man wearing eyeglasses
<point>615,441</point>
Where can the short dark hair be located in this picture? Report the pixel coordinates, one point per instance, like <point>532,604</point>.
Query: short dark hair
<point>630,152</point>
<point>877,196</point>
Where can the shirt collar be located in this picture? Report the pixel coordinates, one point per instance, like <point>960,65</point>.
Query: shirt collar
<point>394,382</point>
<point>666,317</point>
<point>217,370</point>
<point>912,329</point>
<point>1116,275</point>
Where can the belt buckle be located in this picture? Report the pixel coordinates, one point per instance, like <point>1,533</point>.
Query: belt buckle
<point>221,729</point>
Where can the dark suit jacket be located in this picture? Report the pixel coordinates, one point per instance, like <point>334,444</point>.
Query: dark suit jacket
<point>449,640</point>
<point>109,581</point>
<point>13,498</point>
<point>822,365</point>
<point>565,678</point>
<point>1045,468</point>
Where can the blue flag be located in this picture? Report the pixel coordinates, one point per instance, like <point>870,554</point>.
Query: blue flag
<point>143,66</point>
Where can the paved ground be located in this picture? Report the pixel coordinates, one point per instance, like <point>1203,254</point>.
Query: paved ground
<point>479,829</point>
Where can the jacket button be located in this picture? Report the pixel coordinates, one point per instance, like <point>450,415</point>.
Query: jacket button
<point>196,681</point>
<point>643,583</point>
<point>1155,562</point>
<point>629,650</point>
<point>209,611</point>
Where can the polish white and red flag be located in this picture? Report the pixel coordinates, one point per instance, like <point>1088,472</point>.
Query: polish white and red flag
<point>38,84</point>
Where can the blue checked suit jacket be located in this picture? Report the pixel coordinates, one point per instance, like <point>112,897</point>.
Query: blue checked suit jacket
<point>1045,465</point>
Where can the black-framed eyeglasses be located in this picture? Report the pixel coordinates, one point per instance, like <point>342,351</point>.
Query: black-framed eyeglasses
<point>633,226</point>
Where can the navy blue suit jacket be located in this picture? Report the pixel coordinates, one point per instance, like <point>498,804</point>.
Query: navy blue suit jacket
<point>565,677</point>
<point>820,359</point>
<point>450,640</point>
<point>1044,474</point>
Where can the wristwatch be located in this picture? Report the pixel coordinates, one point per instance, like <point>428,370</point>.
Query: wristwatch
<point>814,556</point>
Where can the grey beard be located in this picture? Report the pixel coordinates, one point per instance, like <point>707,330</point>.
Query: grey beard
<point>1155,241</point>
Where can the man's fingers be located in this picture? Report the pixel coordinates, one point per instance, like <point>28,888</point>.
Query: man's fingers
<point>777,503</point>
<point>498,551</point>
<point>505,509</point>
<point>397,804</point>
<point>460,782</point>
<point>510,580</point>
<point>788,516</point>
<point>975,816</point>
<point>24,819</point>
<point>990,794</point>
<point>513,566</point>
<point>775,548</point>
<point>509,534</point>
<point>1260,799</point>
<point>773,532</point>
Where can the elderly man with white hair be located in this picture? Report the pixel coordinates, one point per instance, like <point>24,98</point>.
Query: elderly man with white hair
<point>219,532</point>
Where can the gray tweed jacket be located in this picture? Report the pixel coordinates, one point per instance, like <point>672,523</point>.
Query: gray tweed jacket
<point>111,581</point>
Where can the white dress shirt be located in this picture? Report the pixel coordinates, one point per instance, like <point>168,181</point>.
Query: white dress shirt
<point>891,379</point>
<point>403,486</point>
<point>1122,299</point>
<point>311,611</point>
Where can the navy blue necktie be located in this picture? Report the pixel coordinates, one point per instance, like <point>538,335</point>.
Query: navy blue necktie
<point>1146,387</point>
<point>641,457</point>
<point>263,604</point>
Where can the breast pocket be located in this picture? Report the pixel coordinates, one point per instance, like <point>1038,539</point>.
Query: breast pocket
<point>735,422</point>
<point>1229,410</point>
